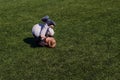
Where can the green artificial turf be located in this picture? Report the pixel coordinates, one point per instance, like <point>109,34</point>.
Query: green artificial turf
<point>87,35</point>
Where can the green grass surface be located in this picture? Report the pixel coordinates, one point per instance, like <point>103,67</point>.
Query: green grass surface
<point>87,34</point>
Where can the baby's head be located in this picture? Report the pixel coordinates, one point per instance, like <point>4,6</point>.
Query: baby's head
<point>48,21</point>
<point>51,23</point>
<point>45,19</point>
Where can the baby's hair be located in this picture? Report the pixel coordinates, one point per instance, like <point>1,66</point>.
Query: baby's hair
<point>45,18</point>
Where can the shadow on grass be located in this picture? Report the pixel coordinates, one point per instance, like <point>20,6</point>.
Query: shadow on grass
<point>31,42</point>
